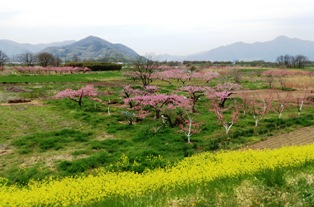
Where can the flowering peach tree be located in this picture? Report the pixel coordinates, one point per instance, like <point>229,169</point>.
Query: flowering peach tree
<point>157,103</point>
<point>222,118</point>
<point>78,95</point>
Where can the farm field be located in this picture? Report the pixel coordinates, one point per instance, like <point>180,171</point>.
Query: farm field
<point>118,127</point>
<point>298,137</point>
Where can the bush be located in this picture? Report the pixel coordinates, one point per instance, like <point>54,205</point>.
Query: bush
<point>273,177</point>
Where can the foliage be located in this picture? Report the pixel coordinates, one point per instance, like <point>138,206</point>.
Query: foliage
<point>44,59</point>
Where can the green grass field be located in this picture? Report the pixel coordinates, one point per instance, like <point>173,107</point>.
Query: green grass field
<point>50,137</point>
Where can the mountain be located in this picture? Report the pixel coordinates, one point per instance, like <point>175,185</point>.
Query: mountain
<point>93,48</point>
<point>267,51</point>
<point>11,48</point>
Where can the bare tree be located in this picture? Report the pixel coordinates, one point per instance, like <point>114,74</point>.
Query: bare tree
<point>300,61</point>
<point>45,59</point>
<point>143,68</point>
<point>280,60</point>
<point>57,61</point>
<point>75,58</point>
<point>27,58</point>
<point>3,58</point>
<point>290,61</point>
<point>236,74</point>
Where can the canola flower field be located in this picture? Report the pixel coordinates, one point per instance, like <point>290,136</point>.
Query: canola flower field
<point>196,170</point>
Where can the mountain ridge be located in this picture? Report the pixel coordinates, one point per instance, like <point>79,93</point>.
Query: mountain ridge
<point>95,48</point>
<point>12,48</point>
<point>241,51</point>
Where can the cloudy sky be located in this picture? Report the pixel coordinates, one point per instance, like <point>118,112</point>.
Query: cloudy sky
<point>176,27</point>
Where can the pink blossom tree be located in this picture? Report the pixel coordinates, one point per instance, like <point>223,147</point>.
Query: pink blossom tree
<point>194,94</point>
<point>299,102</point>
<point>181,75</point>
<point>245,102</point>
<point>280,75</point>
<point>207,76</point>
<point>188,127</point>
<point>157,103</point>
<point>223,92</point>
<point>151,89</point>
<point>260,107</point>
<point>281,104</point>
<point>165,76</point>
<point>221,118</point>
<point>78,95</point>
<point>269,78</point>
<point>59,70</point>
<point>128,92</point>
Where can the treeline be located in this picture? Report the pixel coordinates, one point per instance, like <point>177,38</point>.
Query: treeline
<point>283,61</point>
<point>289,61</point>
<point>259,63</point>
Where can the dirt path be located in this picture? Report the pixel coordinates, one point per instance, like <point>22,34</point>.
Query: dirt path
<point>32,102</point>
<point>301,136</point>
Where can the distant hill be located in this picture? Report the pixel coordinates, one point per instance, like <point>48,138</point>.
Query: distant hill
<point>93,48</point>
<point>11,48</point>
<point>89,48</point>
<point>267,51</point>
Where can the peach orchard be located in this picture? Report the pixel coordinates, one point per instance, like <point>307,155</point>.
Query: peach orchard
<point>176,108</point>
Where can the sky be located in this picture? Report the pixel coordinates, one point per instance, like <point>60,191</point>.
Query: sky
<point>175,27</point>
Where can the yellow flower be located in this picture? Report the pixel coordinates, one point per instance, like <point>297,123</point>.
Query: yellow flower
<point>198,169</point>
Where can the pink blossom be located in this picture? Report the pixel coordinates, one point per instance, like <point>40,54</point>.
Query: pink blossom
<point>87,91</point>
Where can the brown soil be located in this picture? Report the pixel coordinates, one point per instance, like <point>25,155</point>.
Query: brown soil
<point>31,102</point>
<point>264,93</point>
<point>301,136</point>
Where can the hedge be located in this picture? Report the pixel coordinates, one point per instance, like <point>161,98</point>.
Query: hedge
<point>96,66</point>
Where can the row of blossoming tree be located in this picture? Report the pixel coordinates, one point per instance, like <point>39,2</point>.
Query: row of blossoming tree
<point>177,108</point>
<point>50,70</point>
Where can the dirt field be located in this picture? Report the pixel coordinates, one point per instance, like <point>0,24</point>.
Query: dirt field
<point>299,137</point>
<point>264,93</point>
